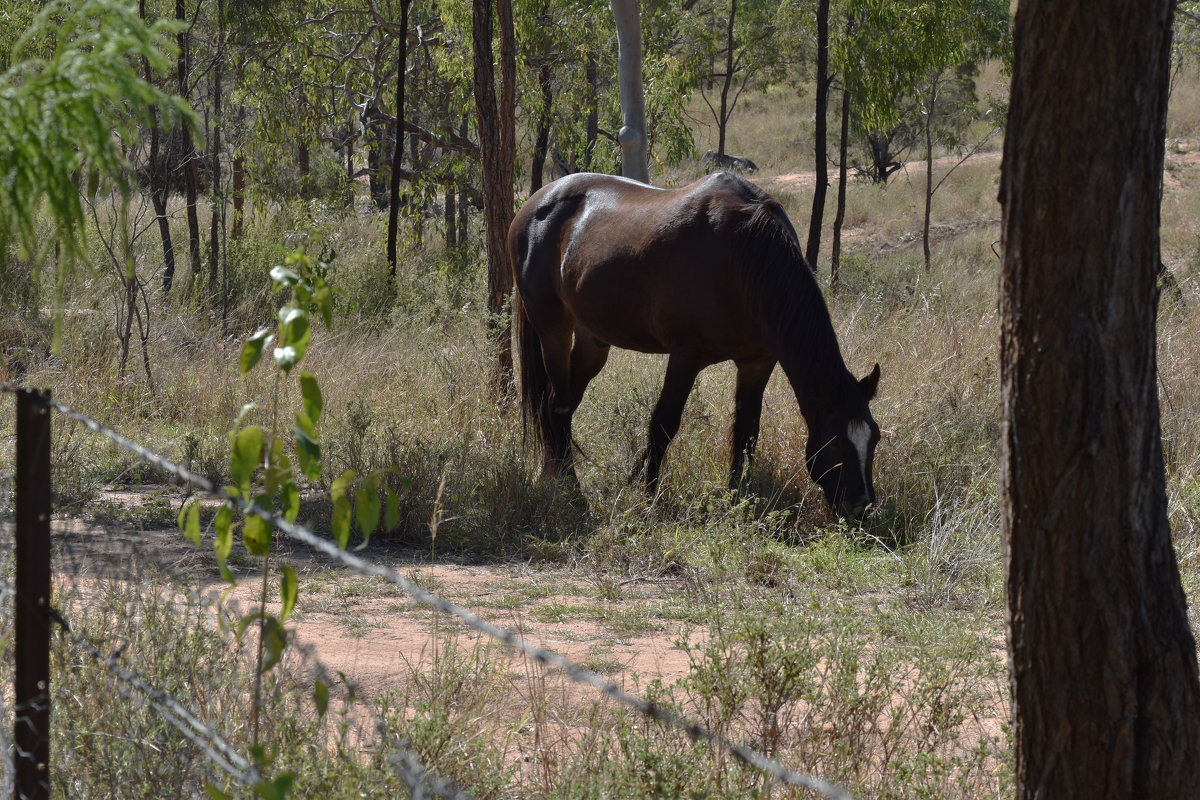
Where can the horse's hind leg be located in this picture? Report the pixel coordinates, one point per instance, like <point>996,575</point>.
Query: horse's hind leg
<point>556,446</point>
<point>664,422</point>
<point>588,357</point>
<point>752,378</point>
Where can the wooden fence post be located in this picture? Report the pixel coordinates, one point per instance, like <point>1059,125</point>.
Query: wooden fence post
<point>31,684</point>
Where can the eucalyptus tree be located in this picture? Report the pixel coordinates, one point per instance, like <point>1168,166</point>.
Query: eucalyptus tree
<point>73,94</point>
<point>1102,658</point>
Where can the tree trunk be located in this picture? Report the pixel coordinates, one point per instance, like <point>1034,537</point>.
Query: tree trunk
<point>451,213</point>
<point>497,139</point>
<point>929,111</point>
<point>592,134</point>
<point>635,155</point>
<point>158,182</point>
<point>303,158</point>
<point>730,48</point>
<point>1105,694</point>
<point>398,148</point>
<point>214,242</point>
<point>545,118</point>
<point>820,136</point>
<point>239,194</point>
<point>187,151</point>
<point>835,258</point>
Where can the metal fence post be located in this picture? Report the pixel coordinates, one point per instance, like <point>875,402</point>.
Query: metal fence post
<point>31,684</point>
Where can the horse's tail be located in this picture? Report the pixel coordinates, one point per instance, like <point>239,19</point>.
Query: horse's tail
<point>535,380</point>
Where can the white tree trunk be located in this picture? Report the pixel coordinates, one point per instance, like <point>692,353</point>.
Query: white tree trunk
<point>635,156</point>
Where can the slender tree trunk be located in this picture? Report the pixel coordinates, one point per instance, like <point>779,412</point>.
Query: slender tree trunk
<point>545,117</point>
<point>730,48</point>
<point>158,183</point>
<point>592,133</point>
<point>635,155</point>
<point>1105,693</point>
<point>835,258</point>
<point>820,137</point>
<point>215,156</point>
<point>239,194</point>
<point>463,203</point>
<point>398,148</point>
<point>303,166</point>
<point>451,215</point>
<point>187,151</point>
<point>929,111</point>
<point>497,137</point>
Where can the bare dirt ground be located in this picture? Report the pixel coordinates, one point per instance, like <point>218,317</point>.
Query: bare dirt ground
<point>372,631</point>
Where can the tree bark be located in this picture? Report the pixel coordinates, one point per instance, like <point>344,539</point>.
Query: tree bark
<point>930,108</point>
<point>635,155</point>
<point>214,242</point>
<point>239,195</point>
<point>730,49</point>
<point>1105,694</point>
<point>820,138</point>
<point>158,182</point>
<point>497,141</point>
<point>835,257</point>
<point>187,150</point>
<point>545,117</point>
<point>398,148</point>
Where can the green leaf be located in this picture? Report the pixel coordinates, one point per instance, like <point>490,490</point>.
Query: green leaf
<point>310,392</point>
<point>246,455</point>
<point>307,448</point>
<point>256,533</point>
<point>287,315</point>
<point>289,587</point>
<point>189,522</point>
<point>299,335</point>
<point>253,348</point>
<point>223,543</point>
<point>274,642</point>
<point>321,697</point>
<point>340,521</point>
<point>216,794</point>
<point>366,507</point>
<point>391,512</point>
<point>277,789</point>
<point>291,501</point>
<point>284,276</point>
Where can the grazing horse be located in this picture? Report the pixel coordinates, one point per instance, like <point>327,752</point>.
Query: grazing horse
<point>707,273</point>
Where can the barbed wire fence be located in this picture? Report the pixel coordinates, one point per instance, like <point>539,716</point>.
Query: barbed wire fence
<point>115,606</point>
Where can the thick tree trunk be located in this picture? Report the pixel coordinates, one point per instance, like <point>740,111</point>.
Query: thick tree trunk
<point>497,141</point>
<point>820,137</point>
<point>398,149</point>
<point>835,257</point>
<point>187,151</point>
<point>635,155</point>
<point>1106,699</point>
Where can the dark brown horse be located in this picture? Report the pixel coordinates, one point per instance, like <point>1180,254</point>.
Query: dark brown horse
<point>710,272</point>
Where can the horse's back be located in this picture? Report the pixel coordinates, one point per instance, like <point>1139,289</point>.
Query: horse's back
<point>641,267</point>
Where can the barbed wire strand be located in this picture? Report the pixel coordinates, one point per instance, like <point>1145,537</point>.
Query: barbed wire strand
<point>211,743</point>
<point>692,728</point>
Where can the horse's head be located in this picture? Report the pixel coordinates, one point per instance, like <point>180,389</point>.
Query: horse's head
<point>841,449</point>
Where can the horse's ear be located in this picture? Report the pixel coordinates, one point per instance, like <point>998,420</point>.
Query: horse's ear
<point>870,383</point>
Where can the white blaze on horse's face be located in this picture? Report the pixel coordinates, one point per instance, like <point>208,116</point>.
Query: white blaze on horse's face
<point>859,434</point>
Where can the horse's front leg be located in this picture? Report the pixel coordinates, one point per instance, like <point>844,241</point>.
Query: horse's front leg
<point>752,378</point>
<point>682,370</point>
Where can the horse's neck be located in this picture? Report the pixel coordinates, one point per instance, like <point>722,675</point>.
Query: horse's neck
<point>817,376</point>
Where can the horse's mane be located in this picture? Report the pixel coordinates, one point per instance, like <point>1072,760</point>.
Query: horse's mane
<point>783,285</point>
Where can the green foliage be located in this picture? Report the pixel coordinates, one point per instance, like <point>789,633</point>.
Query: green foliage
<point>72,97</point>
